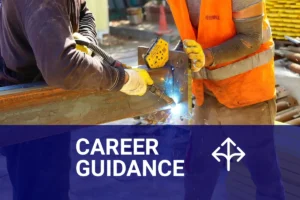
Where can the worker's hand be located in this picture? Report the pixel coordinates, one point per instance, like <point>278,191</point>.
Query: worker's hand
<point>78,36</point>
<point>138,80</point>
<point>195,53</point>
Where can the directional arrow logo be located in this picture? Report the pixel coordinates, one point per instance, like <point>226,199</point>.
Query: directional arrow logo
<point>229,156</point>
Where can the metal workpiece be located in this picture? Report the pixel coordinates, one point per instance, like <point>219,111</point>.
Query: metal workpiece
<point>45,105</point>
<point>39,104</point>
<point>177,87</point>
<point>159,93</point>
<point>178,64</point>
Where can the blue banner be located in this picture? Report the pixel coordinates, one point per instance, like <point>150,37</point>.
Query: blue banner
<point>149,162</point>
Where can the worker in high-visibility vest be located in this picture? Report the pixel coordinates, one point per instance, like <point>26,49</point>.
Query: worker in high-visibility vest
<point>230,47</point>
<point>38,37</point>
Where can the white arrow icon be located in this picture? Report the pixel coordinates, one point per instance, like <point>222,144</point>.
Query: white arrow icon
<point>229,156</point>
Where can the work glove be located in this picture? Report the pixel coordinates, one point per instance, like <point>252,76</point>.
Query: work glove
<point>138,81</point>
<point>196,54</point>
<point>78,36</point>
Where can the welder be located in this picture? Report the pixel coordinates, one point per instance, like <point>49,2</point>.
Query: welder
<point>230,47</point>
<point>38,37</point>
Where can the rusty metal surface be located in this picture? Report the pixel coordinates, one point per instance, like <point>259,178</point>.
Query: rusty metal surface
<point>49,106</point>
<point>43,105</point>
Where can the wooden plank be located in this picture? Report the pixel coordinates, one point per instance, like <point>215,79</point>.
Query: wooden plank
<point>288,157</point>
<point>289,161</point>
<point>239,177</point>
<point>288,175</point>
<point>242,186</point>
<point>236,193</point>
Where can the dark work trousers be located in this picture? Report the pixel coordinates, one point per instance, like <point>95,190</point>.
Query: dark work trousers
<point>39,169</point>
<point>202,169</point>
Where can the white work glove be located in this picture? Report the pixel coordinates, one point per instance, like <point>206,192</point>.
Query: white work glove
<point>78,36</point>
<point>138,80</point>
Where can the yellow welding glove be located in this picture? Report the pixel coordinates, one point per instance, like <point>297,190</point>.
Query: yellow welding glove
<point>137,83</point>
<point>196,54</point>
<point>78,36</point>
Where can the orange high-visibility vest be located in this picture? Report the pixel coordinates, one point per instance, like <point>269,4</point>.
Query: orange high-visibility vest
<point>240,83</point>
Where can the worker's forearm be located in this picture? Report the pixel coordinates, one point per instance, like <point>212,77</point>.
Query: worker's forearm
<point>248,19</point>
<point>246,42</point>
<point>48,29</point>
<point>240,45</point>
<point>87,25</point>
<point>80,71</point>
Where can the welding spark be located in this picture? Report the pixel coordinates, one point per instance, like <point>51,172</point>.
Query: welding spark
<point>177,109</point>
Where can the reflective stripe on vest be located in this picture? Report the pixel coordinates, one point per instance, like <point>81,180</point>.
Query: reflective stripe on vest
<point>236,68</point>
<point>242,66</point>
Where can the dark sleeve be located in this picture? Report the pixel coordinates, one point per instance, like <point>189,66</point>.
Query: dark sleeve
<point>49,33</point>
<point>247,40</point>
<point>87,25</point>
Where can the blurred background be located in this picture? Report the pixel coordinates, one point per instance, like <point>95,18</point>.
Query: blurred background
<point>123,25</point>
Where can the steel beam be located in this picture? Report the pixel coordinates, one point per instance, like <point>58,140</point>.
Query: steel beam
<point>38,104</point>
